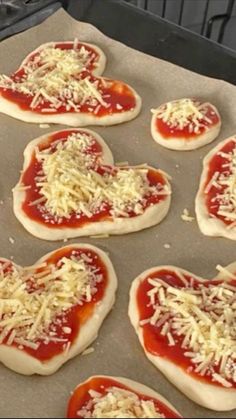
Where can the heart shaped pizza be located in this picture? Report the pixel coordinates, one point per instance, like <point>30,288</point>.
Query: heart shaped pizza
<point>69,187</point>
<point>185,124</point>
<point>113,397</point>
<point>52,311</point>
<point>186,326</point>
<point>216,197</point>
<point>59,83</point>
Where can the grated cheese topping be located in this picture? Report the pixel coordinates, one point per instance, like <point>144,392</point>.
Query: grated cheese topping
<point>44,126</point>
<point>53,79</point>
<point>88,351</point>
<point>226,272</point>
<point>202,320</point>
<point>70,183</point>
<point>33,303</point>
<point>186,216</point>
<point>183,113</point>
<point>118,403</point>
<point>224,183</point>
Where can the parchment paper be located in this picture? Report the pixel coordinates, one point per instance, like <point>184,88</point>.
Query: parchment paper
<point>117,350</point>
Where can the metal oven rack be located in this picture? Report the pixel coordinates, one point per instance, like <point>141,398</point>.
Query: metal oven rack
<point>208,21</point>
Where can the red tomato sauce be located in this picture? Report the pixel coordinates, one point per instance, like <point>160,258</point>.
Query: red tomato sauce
<point>62,136</point>
<point>169,132</point>
<point>75,317</point>
<point>64,46</point>
<point>217,165</point>
<point>115,94</point>
<point>34,211</point>
<point>81,397</point>
<point>7,265</point>
<point>157,344</point>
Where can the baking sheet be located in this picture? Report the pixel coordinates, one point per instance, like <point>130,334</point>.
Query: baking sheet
<point>117,350</point>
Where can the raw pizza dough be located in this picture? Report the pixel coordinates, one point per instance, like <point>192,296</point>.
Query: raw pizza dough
<point>60,91</point>
<point>110,222</point>
<point>211,396</point>
<point>213,224</point>
<point>131,386</point>
<point>22,362</point>
<point>186,138</point>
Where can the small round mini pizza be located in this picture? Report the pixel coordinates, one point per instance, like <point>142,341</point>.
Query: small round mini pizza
<point>52,311</point>
<point>59,83</point>
<point>113,397</point>
<point>216,197</point>
<point>186,326</point>
<point>185,124</point>
<point>69,187</point>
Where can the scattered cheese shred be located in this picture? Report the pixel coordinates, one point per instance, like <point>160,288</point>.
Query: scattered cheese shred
<point>226,272</point>
<point>88,351</point>
<point>72,182</point>
<point>203,317</point>
<point>54,79</point>
<point>31,303</point>
<point>186,216</point>
<point>122,163</point>
<point>118,403</point>
<point>183,113</point>
<point>44,126</point>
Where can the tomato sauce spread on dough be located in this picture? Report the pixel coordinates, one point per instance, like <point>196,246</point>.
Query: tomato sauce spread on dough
<point>151,182</point>
<point>90,59</point>
<point>59,332</point>
<point>178,317</point>
<point>47,87</point>
<point>185,118</point>
<point>219,190</point>
<point>101,386</point>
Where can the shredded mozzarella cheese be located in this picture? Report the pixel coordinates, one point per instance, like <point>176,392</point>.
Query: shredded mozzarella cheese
<point>88,351</point>
<point>71,184</point>
<point>202,318</point>
<point>186,216</point>
<point>31,301</point>
<point>118,403</point>
<point>225,184</point>
<point>52,79</point>
<point>183,113</point>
